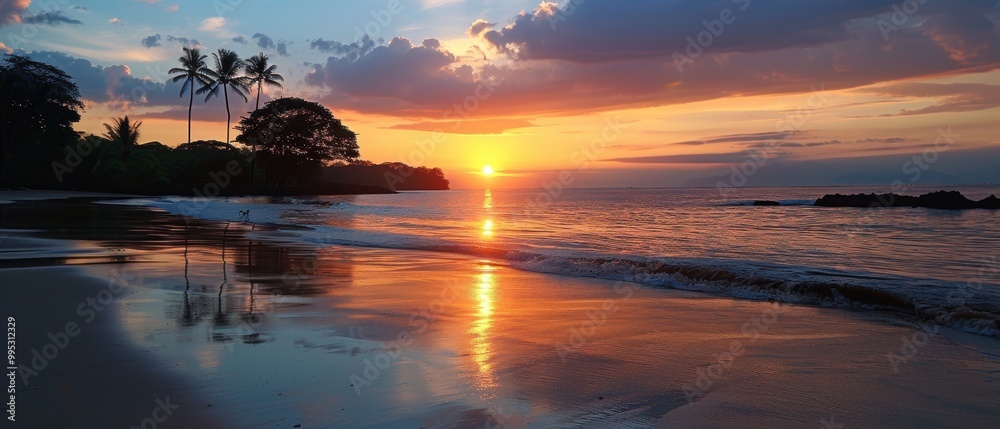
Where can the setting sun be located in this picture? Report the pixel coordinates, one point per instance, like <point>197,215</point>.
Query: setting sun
<point>487,171</point>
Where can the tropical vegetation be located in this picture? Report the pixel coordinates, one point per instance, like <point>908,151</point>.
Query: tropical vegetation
<point>302,147</point>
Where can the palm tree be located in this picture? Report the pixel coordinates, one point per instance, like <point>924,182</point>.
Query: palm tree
<point>192,71</point>
<point>124,134</point>
<point>259,74</point>
<point>226,74</point>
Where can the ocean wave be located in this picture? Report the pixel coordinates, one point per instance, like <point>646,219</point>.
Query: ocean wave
<point>924,300</point>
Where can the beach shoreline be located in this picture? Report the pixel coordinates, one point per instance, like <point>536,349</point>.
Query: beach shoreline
<point>75,365</point>
<point>237,328</point>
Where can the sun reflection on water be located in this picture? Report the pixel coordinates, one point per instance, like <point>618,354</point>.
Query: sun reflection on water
<point>488,200</point>
<point>482,326</point>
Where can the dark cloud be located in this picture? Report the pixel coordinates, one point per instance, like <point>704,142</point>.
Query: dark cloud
<point>614,55</point>
<point>116,84</point>
<point>697,158</point>
<point>151,41</point>
<point>266,42</point>
<point>606,31</point>
<point>240,39</point>
<point>263,41</point>
<point>184,41</point>
<point>50,18</point>
<point>351,51</point>
<point>754,137</point>
<point>400,78</point>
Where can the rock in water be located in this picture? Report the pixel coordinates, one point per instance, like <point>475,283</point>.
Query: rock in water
<point>946,200</point>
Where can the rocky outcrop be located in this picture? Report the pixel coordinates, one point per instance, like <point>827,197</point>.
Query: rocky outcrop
<point>946,200</point>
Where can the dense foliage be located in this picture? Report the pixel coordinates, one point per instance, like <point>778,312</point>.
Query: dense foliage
<point>393,175</point>
<point>295,140</point>
<point>38,106</point>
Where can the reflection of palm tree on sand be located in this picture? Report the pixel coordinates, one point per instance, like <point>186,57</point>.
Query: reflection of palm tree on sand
<point>187,319</point>
<point>221,319</point>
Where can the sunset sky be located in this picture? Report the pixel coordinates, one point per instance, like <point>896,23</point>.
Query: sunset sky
<point>620,93</point>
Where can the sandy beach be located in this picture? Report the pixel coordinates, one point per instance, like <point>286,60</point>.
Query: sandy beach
<point>241,328</point>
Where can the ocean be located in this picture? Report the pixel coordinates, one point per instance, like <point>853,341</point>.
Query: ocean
<point>932,265</point>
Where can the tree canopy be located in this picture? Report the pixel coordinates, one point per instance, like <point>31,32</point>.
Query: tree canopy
<point>39,104</point>
<point>296,137</point>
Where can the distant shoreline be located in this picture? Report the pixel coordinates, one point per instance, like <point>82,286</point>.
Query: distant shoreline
<point>234,191</point>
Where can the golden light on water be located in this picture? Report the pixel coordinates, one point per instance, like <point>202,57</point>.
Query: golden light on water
<point>488,228</point>
<point>488,200</point>
<point>481,328</point>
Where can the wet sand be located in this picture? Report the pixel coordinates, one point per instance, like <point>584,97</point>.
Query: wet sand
<point>243,329</point>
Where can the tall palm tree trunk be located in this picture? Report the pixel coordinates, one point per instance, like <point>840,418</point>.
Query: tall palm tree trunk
<point>228,116</point>
<point>190,106</point>
<point>253,159</point>
<point>259,84</point>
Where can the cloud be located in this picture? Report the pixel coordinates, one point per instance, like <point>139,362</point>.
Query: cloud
<point>11,10</point>
<point>614,55</point>
<point>240,39</point>
<point>113,84</point>
<point>479,27</point>
<point>50,18</point>
<point>956,97</point>
<point>485,126</point>
<point>263,41</point>
<point>266,42</point>
<point>215,24</point>
<point>149,1</point>
<point>697,158</point>
<point>430,4</point>
<point>184,41</point>
<point>5,49</point>
<point>607,31</point>
<point>114,21</point>
<point>151,41</point>
<point>768,136</point>
<point>173,8</point>
<point>395,78</point>
<point>352,51</point>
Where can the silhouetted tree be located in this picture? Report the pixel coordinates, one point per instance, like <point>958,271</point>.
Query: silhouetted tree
<point>260,73</point>
<point>38,105</point>
<point>297,137</point>
<point>123,134</point>
<point>192,71</point>
<point>393,175</point>
<point>225,75</point>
